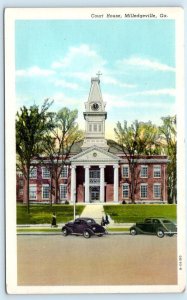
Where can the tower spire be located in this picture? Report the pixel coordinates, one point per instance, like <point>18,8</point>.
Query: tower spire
<point>95,116</point>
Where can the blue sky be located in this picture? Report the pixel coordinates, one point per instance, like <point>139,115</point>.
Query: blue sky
<point>57,58</point>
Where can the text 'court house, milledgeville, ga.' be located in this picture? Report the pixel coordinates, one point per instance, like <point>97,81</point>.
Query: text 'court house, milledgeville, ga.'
<point>97,171</point>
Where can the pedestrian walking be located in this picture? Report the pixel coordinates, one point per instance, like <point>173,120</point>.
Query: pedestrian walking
<point>53,221</point>
<point>106,219</point>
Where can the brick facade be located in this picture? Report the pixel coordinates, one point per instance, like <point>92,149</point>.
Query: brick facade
<point>154,184</point>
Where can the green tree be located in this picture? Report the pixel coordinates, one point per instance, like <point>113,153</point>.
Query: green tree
<point>58,144</point>
<point>168,143</point>
<point>31,126</point>
<point>135,140</point>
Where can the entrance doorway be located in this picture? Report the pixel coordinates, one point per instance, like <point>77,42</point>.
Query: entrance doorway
<point>94,193</point>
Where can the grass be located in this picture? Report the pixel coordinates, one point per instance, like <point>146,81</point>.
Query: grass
<point>131,213</point>
<point>38,230</point>
<point>42,214</point>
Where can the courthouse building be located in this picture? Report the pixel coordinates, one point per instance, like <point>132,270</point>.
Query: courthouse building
<point>96,171</point>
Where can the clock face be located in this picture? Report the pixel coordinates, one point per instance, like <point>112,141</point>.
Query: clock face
<point>95,106</point>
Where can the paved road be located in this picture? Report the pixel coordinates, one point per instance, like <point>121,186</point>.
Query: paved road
<point>108,260</point>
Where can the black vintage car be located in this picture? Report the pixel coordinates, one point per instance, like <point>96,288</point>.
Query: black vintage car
<point>83,226</point>
<point>158,226</point>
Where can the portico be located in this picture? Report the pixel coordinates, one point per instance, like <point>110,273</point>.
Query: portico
<point>94,162</point>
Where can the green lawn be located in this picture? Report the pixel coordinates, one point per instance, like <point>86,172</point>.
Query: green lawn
<point>137,212</point>
<point>42,214</point>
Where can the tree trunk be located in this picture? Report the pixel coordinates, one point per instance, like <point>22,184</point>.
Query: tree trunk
<point>56,191</point>
<point>132,184</point>
<point>51,190</point>
<point>28,192</point>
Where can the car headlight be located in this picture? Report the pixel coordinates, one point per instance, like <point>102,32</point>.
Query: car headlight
<point>94,228</point>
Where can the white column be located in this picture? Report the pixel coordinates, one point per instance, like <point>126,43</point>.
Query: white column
<point>102,186</point>
<point>73,183</point>
<point>116,182</point>
<point>87,184</point>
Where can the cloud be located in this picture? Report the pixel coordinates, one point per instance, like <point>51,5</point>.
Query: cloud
<point>169,92</point>
<point>159,92</point>
<point>34,71</point>
<point>113,81</point>
<point>145,63</point>
<point>66,84</point>
<point>74,52</point>
<point>80,62</point>
<point>65,100</point>
<point>116,102</point>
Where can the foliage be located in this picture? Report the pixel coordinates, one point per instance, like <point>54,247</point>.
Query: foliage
<point>137,139</point>
<point>138,212</point>
<point>31,126</point>
<point>169,147</point>
<point>58,143</point>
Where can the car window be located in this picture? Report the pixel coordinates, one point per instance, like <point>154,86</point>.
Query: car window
<point>156,221</point>
<point>90,221</point>
<point>148,221</point>
<point>78,222</point>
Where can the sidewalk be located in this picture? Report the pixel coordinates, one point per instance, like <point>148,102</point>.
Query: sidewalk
<point>45,229</point>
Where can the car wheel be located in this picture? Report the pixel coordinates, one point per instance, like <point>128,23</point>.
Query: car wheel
<point>86,234</point>
<point>133,231</point>
<point>64,231</point>
<point>160,233</point>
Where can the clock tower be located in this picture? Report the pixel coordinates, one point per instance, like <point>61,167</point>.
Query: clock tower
<point>95,116</point>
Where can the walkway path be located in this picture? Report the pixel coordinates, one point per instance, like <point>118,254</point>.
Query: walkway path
<point>95,211</point>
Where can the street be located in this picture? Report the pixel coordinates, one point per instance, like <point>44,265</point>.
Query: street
<point>109,260</point>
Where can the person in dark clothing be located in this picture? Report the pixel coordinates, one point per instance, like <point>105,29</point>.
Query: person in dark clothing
<point>106,220</point>
<point>103,222</point>
<point>53,222</point>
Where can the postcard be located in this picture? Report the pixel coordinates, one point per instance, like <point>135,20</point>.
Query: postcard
<point>94,130</point>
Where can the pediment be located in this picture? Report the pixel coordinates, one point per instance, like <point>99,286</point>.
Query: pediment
<point>95,155</point>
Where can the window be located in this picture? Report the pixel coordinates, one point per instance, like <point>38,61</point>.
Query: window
<point>33,172</point>
<point>21,192</point>
<point>95,127</point>
<point>125,190</point>
<point>63,191</point>
<point>94,173</point>
<point>20,174</point>
<point>99,127</point>
<point>157,190</point>
<point>90,127</point>
<point>94,176</point>
<point>45,191</point>
<point>157,171</point>
<point>32,191</point>
<point>143,190</point>
<point>45,173</point>
<point>156,221</point>
<point>125,171</point>
<point>144,171</point>
<point>21,183</point>
<point>64,172</point>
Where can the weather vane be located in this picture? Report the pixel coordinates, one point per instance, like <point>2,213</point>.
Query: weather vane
<point>99,74</point>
